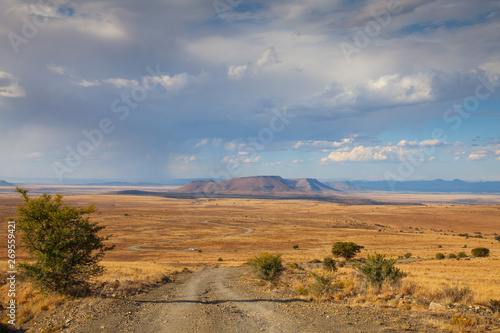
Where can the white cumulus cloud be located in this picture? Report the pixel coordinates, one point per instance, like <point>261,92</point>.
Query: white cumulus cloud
<point>9,86</point>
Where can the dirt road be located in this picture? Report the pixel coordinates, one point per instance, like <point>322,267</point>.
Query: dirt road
<point>220,300</point>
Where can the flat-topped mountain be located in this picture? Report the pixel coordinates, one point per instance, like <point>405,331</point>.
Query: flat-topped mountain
<point>259,185</point>
<point>311,185</point>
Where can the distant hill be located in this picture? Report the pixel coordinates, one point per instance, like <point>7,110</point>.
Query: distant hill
<point>197,186</point>
<point>438,185</point>
<point>344,186</point>
<point>259,185</point>
<point>4,183</point>
<point>311,185</point>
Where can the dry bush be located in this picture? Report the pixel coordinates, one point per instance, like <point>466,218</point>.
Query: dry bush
<point>302,290</point>
<point>463,324</point>
<point>450,294</point>
<point>408,287</point>
<point>321,283</point>
<point>457,294</point>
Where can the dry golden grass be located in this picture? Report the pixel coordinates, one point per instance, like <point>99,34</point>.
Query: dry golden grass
<point>278,225</point>
<point>480,274</point>
<point>29,301</point>
<point>138,271</point>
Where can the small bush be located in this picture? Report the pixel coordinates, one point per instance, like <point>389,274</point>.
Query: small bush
<point>408,288</point>
<point>440,256</point>
<point>457,294</point>
<point>463,322</point>
<point>497,238</point>
<point>295,247</point>
<point>494,305</point>
<point>462,255</point>
<point>314,261</point>
<point>407,255</point>
<point>220,259</point>
<point>322,284</point>
<point>302,290</point>
<point>452,256</point>
<point>480,252</point>
<point>267,266</point>
<point>329,264</point>
<point>378,270</point>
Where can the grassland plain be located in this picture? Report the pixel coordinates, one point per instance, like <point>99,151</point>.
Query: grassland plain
<point>154,235</point>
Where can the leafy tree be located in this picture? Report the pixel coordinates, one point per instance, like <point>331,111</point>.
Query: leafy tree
<point>440,256</point>
<point>65,245</point>
<point>267,266</point>
<point>462,255</point>
<point>377,270</point>
<point>480,252</point>
<point>346,250</point>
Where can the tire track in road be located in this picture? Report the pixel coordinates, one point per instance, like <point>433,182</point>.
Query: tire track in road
<point>139,247</point>
<point>208,302</point>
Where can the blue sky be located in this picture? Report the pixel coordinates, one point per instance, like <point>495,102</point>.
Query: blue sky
<point>156,90</point>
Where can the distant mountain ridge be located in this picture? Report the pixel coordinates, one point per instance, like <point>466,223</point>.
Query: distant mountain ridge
<point>4,183</point>
<point>437,185</point>
<point>344,186</point>
<point>275,185</point>
<point>311,185</point>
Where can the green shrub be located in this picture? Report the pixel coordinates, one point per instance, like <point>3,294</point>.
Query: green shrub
<point>65,245</point>
<point>295,247</point>
<point>407,255</point>
<point>346,250</point>
<point>497,238</point>
<point>452,256</point>
<point>480,252</point>
<point>440,256</point>
<point>377,270</point>
<point>462,255</point>
<point>329,264</point>
<point>220,259</point>
<point>267,266</point>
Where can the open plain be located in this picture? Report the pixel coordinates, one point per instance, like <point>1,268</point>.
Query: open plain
<point>160,235</point>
